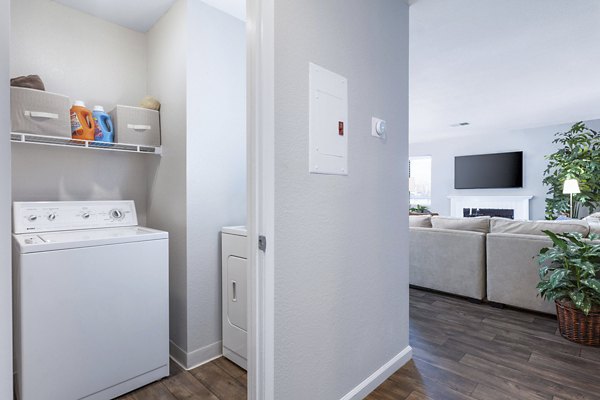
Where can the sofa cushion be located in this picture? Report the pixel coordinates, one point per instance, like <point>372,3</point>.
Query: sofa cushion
<point>594,225</point>
<point>593,219</point>
<point>595,215</point>
<point>504,225</point>
<point>419,221</point>
<point>477,224</point>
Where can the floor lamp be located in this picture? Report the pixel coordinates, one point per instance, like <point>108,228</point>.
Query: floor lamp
<point>571,187</point>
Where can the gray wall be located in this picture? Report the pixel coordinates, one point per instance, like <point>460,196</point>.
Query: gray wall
<point>44,173</point>
<point>216,163</point>
<point>535,144</point>
<point>51,40</point>
<point>199,185</point>
<point>44,42</point>
<point>341,267</point>
<point>6,377</point>
<point>167,207</point>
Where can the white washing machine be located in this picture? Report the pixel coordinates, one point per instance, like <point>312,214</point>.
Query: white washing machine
<point>235,295</point>
<point>91,300</point>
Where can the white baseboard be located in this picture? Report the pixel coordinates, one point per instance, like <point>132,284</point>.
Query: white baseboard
<point>197,357</point>
<point>205,354</point>
<point>177,354</point>
<point>379,376</point>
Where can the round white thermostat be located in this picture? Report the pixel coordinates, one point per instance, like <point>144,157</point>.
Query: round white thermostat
<point>380,128</point>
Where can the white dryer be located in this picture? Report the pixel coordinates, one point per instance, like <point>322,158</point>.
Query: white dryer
<point>91,300</point>
<point>235,295</point>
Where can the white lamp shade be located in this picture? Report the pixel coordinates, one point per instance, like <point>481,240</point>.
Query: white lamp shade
<point>571,186</point>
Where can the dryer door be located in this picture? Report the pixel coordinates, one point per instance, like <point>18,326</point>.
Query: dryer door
<point>237,298</point>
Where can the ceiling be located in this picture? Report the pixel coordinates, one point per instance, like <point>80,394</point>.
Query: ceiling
<point>502,65</point>
<point>237,8</point>
<point>141,15</point>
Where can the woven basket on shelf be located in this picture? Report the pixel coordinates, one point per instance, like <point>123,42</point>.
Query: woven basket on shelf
<point>575,326</point>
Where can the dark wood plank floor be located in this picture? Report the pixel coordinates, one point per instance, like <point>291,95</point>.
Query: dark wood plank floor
<point>217,380</point>
<point>461,351</point>
<point>472,351</point>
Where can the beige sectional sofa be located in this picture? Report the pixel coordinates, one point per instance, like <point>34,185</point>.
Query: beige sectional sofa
<point>463,256</point>
<point>449,255</point>
<point>512,267</point>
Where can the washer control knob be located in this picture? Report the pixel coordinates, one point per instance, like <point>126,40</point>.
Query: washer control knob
<point>32,218</point>
<point>116,214</point>
<point>51,217</point>
<point>85,215</point>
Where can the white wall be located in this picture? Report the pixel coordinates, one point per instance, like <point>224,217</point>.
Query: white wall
<point>341,256</point>
<point>535,144</point>
<point>216,163</point>
<point>196,59</point>
<point>84,58</point>
<point>43,173</point>
<point>6,358</point>
<point>167,206</point>
<point>76,54</point>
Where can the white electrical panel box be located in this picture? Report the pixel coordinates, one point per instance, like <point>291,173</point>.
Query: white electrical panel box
<point>328,122</point>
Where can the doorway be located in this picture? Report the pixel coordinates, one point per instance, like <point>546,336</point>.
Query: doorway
<point>176,178</point>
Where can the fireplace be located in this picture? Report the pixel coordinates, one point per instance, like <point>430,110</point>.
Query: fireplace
<point>488,212</point>
<point>480,205</point>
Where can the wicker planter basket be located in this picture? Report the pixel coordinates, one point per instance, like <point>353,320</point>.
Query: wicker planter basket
<point>575,326</point>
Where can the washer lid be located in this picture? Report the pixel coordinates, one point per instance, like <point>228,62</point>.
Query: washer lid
<point>235,230</point>
<point>33,243</point>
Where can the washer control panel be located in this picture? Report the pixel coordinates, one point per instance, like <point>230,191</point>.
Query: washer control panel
<point>72,215</point>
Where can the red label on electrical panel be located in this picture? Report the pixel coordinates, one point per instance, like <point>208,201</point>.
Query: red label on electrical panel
<point>341,128</point>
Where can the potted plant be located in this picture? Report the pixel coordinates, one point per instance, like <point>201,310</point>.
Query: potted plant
<point>577,157</point>
<point>419,209</point>
<point>570,276</point>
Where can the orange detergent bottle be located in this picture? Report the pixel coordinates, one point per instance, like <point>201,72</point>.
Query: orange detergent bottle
<point>83,126</point>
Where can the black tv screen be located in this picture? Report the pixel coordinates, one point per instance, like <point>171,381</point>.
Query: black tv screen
<point>489,171</point>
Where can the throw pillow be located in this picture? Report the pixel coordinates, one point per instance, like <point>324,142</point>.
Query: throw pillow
<point>504,225</point>
<point>477,224</point>
<point>419,221</point>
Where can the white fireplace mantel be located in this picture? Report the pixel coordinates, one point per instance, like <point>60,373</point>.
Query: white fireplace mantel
<point>520,204</point>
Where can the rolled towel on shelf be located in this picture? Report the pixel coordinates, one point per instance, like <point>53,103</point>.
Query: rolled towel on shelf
<point>150,103</point>
<point>29,82</point>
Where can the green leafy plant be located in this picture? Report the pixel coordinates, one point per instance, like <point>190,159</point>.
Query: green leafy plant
<point>419,209</point>
<point>570,270</point>
<point>578,157</point>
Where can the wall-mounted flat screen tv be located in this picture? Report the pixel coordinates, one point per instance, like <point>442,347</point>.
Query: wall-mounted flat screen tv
<point>489,171</point>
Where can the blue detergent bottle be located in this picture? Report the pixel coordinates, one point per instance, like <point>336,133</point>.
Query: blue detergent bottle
<point>104,127</point>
